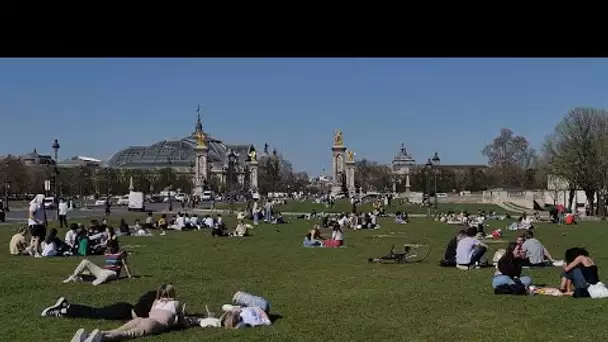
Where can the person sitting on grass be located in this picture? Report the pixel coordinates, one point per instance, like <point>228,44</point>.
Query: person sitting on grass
<point>149,223</point>
<point>469,250</point>
<point>337,237</point>
<point>70,238</point>
<point>449,258</point>
<point>123,227</point>
<point>400,218</point>
<point>115,261</point>
<point>18,245</point>
<point>535,253</point>
<point>580,271</point>
<point>507,278</point>
<point>313,238</point>
<point>166,313</point>
<point>162,224</point>
<point>241,229</point>
<point>53,246</point>
<point>121,311</point>
<point>219,229</point>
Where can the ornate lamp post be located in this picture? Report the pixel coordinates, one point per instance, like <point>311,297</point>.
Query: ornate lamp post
<point>56,148</point>
<point>231,164</point>
<point>435,160</point>
<point>429,167</point>
<point>7,187</point>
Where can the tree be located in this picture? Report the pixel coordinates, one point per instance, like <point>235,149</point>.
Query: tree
<point>509,156</point>
<point>577,152</point>
<point>372,176</point>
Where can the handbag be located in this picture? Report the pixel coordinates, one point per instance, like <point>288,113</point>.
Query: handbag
<point>598,290</point>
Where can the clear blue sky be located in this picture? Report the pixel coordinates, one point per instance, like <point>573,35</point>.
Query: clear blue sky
<point>453,106</point>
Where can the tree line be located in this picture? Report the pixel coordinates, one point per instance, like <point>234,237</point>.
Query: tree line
<point>275,174</point>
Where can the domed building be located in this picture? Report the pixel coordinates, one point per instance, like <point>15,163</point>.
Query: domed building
<point>181,155</point>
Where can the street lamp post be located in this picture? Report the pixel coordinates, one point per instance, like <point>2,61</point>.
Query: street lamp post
<point>231,161</point>
<point>435,160</point>
<point>7,187</point>
<point>55,148</point>
<point>429,167</point>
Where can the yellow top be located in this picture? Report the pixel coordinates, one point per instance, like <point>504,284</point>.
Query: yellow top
<point>350,155</point>
<point>200,139</point>
<point>338,139</point>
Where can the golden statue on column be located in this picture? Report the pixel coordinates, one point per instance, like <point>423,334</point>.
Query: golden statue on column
<point>338,139</point>
<point>200,139</point>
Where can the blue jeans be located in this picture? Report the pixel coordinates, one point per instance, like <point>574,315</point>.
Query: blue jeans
<point>576,277</point>
<point>506,280</point>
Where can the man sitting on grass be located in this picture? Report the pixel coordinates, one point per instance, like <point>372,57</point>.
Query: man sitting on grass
<point>18,245</point>
<point>469,250</point>
<point>536,254</point>
<point>449,259</point>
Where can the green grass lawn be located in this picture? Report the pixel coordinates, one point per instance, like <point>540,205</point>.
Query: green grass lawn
<point>345,206</point>
<point>321,294</point>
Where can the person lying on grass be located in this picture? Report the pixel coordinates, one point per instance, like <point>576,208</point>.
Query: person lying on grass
<point>470,250</point>
<point>246,311</point>
<point>115,261</point>
<point>580,271</point>
<point>166,313</point>
<point>121,311</point>
<point>508,271</point>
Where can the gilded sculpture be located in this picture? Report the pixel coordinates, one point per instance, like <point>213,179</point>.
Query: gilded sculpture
<point>338,139</point>
<point>200,139</point>
<point>252,155</point>
<point>350,155</point>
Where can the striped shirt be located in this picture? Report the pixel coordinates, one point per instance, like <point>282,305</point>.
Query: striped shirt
<point>113,262</point>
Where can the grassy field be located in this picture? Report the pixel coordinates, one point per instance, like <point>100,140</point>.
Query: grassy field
<point>321,294</point>
<point>345,206</point>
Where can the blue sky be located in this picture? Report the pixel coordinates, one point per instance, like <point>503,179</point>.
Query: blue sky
<point>96,107</point>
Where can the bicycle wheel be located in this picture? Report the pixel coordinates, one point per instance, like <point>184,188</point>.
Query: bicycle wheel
<point>418,251</point>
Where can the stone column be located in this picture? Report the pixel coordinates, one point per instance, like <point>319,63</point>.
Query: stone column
<point>350,176</point>
<point>200,169</point>
<point>253,175</point>
<point>338,167</point>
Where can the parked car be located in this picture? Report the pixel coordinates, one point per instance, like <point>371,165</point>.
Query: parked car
<point>207,195</point>
<point>180,197</point>
<point>101,201</point>
<point>123,201</point>
<point>49,202</point>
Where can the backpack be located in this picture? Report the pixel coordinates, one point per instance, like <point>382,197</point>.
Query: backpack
<point>516,289</point>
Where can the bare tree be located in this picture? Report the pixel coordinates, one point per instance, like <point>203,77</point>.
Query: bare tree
<point>510,156</point>
<point>578,151</point>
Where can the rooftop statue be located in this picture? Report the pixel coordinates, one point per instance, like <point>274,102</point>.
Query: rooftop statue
<point>338,139</point>
<point>200,139</point>
<point>252,156</point>
<point>350,155</point>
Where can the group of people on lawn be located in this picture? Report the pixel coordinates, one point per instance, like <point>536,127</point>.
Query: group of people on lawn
<point>160,311</point>
<point>466,251</point>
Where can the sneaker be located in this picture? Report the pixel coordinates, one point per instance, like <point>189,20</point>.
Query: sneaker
<point>79,336</point>
<point>163,233</point>
<point>55,309</point>
<point>462,267</point>
<point>95,336</point>
<point>71,279</point>
<point>38,256</point>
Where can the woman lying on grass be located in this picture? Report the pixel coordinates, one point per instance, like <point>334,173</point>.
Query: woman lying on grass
<point>166,313</point>
<point>247,311</point>
<point>115,261</point>
<point>121,311</point>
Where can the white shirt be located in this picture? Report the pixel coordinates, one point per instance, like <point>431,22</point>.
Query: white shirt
<point>39,214</point>
<point>194,220</point>
<point>254,316</point>
<point>49,250</point>
<point>209,222</point>
<point>337,235</point>
<point>464,250</point>
<point>343,221</point>
<point>180,222</point>
<point>63,208</point>
<point>70,237</point>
